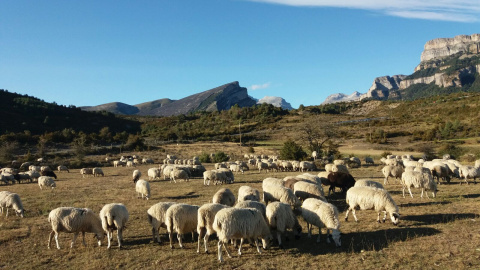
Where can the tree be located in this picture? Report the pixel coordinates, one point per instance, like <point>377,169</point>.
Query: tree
<point>292,151</point>
<point>320,137</point>
<point>220,157</point>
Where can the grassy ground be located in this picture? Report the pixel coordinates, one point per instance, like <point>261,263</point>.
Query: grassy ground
<point>440,233</point>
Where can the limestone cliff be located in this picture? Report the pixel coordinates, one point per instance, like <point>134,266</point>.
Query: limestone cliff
<point>441,47</point>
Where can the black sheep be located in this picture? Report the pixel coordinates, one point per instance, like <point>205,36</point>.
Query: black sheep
<point>341,180</point>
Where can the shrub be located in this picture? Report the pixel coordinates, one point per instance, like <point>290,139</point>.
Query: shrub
<point>204,158</point>
<point>292,151</point>
<point>220,157</point>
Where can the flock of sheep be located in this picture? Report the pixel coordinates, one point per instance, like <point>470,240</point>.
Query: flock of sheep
<point>245,217</point>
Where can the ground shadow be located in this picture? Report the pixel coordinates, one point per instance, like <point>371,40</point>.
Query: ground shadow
<point>423,204</point>
<point>363,241</point>
<point>470,196</point>
<point>437,218</point>
<point>186,196</point>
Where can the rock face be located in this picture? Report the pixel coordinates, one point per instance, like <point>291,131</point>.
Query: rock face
<point>340,97</point>
<point>276,101</point>
<point>383,87</point>
<point>442,47</point>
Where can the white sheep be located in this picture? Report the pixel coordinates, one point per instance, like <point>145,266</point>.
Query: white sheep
<point>114,216</point>
<point>236,168</point>
<point>339,168</point>
<point>280,217</point>
<point>322,214</point>
<point>117,163</point>
<point>304,190</point>
<point>253,204</point>
<point>393,171</point>
<point>206,216</point>
<point>215,176</point>
<point>229,174</point>
<point>181,218</point>
<point>142,188</point>
<point>153,173</point>
<point>273,193</point>
<point>224,196</point>
<point>86,171</point>
<point>46,181</point>
<point>368,198</point>
<point>306,166</point>
<point>248,193</point>
<point>62,168</point>
<point>34,175</point>
<point>240,223</point>
<point>136,175</point>
<point>75,220</point>
<point>272,181</point>
<point>178,174</point>
<point>156,217</point>
<point>367,183</point>
<point>469,172</point>
<point>97,172</point>
<point>419,179</point>
<point>11,200</point>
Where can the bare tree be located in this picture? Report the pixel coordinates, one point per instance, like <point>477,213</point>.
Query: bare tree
<point>319,137</point>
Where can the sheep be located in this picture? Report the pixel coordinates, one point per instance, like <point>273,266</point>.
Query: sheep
<point>248,193</point>
<point>229,174</point>
<point>11,200</point>
<point>253,204</point>
<point>75,220</point>
<point>341,180</point>
<point>367,183</point>
<point>304,190</point>
<point>48,173</point>
<point>147,161</point>
<point>8,177</point>
<point>34,168</point>
<point>45,168</point>
<point>418,179</point>
<point>22,176</point>
<point>272,181</point>
<point>368,198</point>
<point>287,166</point>
<point>467,172</point>
<point>156,216</point>
<point>236,168</point>
<point>206,216</point>
<point>166,171</point>
<point>369,161</point>
<point>114,216</point>
<point>273,193</point>
<point>339,168</point>
<point>62,168</point>
<point>224,196</point>
<point>314,155</point>
<point>86,171</point>
<point>181,218</point>
<point>262,166</point>
<point>136,175</point>
<point>280,217</point>
<point>142,188</point>
<point>97,172</point>
<point>153,173</point>
<point>34,175</point>
<point>220,165</point>
<point>322,214</point>
<point>289,181</point>
<point>354,162</point>
<point>178,174</point>
<point>239,223</point>
<point>25,165</point>
<point>130,163</point>
<point>215,176</point>
<point>393,171</point>
<point>117,163</point>
<point>296,165</point>
<point>441,171</point>
<point>45,181</point>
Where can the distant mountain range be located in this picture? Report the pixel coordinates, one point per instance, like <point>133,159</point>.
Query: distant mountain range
<point>219,98</point>
<point>446,65</point>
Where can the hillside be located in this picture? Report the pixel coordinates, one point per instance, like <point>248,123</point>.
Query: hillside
<point>25,113</point>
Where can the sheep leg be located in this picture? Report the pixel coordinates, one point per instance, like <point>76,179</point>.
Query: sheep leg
<point>279,239</point>
<point>219,247</point>
<point>385,181</point>
<point>354,216</point>
<point>258,248</point>
<point>226,249</point>
<point>109,238</point>
<point>346,217</point>
<point>240,247</point>
<point>50,238</point>
<point>378,217</point>
<point>74,239</point>
<point>156,234</point>
<point>410,191</point>
<point>403,191</point>
<point>83,239</point>
<point>205,241</point>
<point>319,234</point>
<point>171,241</point>
<point>308,230</point>
<point>119,237</point>
<point>426,193</point>
<point>329,234</point>
<point>200,234</point>
<point>385,216</point>
<point>179,237</point>
<point>56,240</point>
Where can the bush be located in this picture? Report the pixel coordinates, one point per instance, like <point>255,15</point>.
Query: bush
<point>220,157</point>
<point>292,151</point>
<point>204,158</point>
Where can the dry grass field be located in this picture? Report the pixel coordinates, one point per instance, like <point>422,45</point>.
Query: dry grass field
<point>440,233</point>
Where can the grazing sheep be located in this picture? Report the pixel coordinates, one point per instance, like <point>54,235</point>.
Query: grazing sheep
<point>178,174</point>
<point>253,204</point>
<point>8,177</point>
<point>367,183</point>
<point>341,180</point>
<point>147,161</point>
<point>224,196</point>
<point>262,166</point>
<point>304,190</point>
<point>136,175</point>
<point>322,214</point>
<point>369,161</point>
<point>45,168</point>
<point>117,163</point>
<point>75,220</point>
<point>130,163</point>
<point>441,171</point>
<point>11,200</point>
<point>97,172</point>
<point>272,193</point>
<point>280,217</point>
<point>45,181</point>
<point>393,171</point>
<point>239,223</point>
<point>22,176</point>
<point>206,216</point>
<point>272,181</point>
<point>181,218</point>
<point>419,179</point>
<point>142,188</point>
<point>114,216</point>
<point>156,217</point>
<point>86,171</point>
<point>247,193</point>
<point>229,174</point>
<point>339,168</point>
<point>236,168</point>
<point>48,173</point>
<point>215,176</point>
<point>166,171</point>
<point>368,198</point>
<point>153,173</point>
<point>34,175</point>
<point>469,172</point>
<point>289,181</point>
<point>62,168</point>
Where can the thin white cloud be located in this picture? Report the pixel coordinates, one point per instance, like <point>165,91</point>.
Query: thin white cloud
<point>442,10</point>
<point>260,86</point>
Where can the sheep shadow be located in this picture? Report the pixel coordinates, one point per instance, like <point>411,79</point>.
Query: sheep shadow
<point>189,195</point>
<point>360,241</point>
<point>437,218</point>
<point>423,204</point>
<point>470,196</point>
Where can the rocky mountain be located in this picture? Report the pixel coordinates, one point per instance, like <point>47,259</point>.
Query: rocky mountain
<point>276,101</point>
<point>446,65</point>
<point>216,99</point>
<point>340,97</point>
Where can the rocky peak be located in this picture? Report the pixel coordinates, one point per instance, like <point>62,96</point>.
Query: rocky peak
<point>441,47</point>
<point>276,101</point>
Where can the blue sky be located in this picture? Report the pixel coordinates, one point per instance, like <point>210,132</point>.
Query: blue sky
<point>94,52</point>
